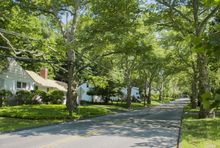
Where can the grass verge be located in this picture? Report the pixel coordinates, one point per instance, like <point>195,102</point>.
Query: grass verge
<point>200,133</point>
<point>123,106</point>
<point>187,109</point>
<point>16,123</point>
<point>16,117</point>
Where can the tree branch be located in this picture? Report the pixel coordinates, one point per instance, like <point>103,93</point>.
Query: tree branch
<point>35,53</point>
<point>180,13</point>
<point>73,28</point>
<point>91,61</point>
<point>199,32</point>
<point>57,52</point>
<point>54,70</point>
<point>83,50</point>
<point>177,25</point>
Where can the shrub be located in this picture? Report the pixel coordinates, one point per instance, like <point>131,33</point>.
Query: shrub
<point>55,97</point>
<point>82,102</point>
<point>39,95</point>
<point>4,96</point>
<point>154,95</point>
<point>24,97</point>
<point>56,92</point>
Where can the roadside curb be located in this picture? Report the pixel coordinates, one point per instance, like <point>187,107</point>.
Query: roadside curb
<point>178,145</point>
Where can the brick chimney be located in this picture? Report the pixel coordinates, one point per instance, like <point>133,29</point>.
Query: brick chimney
<point>43,72</point>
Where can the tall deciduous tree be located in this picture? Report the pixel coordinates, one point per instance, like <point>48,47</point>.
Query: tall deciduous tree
<point>190,18</point>
<point>105,20</point>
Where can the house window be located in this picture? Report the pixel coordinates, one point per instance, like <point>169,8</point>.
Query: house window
<point>136,93</point>
<point>48,89</point>
<point>24,85</point>
<point>21,85</point>
<point>1,82</point>
<point>18,84</point>
<point>35,87</point>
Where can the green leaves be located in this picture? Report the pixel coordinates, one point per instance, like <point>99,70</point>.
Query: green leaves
<point>210,101</point>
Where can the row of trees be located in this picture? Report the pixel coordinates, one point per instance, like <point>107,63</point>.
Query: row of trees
<point>131,43</point>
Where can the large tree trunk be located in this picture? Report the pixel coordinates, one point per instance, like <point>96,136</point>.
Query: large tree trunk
<point>160,95</point>
<point>69,93</point>
<point>203,86</point>
<point>149,93</point>
<point>145,89</point>
<point>127,79</point>
<point>194,93</point>
<point>145,93</point>
<point>129,96</point>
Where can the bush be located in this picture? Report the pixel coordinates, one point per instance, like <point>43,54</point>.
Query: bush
<point>4,96</point>
<point>56,92</point>
<point>55,97</point>
<point>24,97</point>
<point>39,95</point>
<point>154,96</point>
<point>82,102</point>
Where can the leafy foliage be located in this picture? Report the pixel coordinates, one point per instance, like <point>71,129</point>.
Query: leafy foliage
<point>55,96</point>
<point>211,101</point>
<point>4,96</point>
<point>24,97</point>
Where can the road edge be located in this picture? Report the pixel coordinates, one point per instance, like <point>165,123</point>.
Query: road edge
<point>178,145</point>
<point>44,125</point>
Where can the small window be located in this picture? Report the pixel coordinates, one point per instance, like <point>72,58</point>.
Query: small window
<point>48,89</point>
<point>36,88</point>
<point>24,85</point>
<point>18,84</point>
<point>136,93</point>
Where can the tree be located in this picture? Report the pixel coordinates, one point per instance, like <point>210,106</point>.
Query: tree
<point>177,15</point>
<point>101,22</point>
<point>113,89</point>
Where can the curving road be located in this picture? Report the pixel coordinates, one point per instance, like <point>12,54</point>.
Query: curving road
<point>150,127</point>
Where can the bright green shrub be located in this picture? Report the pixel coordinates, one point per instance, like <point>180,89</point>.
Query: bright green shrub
<point>24,97</point>
<point>4,96</point>
<point>55,97</point>
<point>39,95</point>
<point>56,92</point>
<point>154,95</point>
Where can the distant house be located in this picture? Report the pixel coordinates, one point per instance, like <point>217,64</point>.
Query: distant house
<point>15,78</point>
<point>134,92</point>
<point>86,87</point>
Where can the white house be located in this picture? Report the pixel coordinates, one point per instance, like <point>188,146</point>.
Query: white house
<point>86,87</point>
<point>15,78</point>
<point>134,92</point>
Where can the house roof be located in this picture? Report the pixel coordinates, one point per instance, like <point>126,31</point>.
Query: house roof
<point>47,82</point>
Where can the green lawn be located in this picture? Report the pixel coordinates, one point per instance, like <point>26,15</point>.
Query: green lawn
<point>16,117</point>
<point>200,133</point>
<point>122,105</point>
<point>187,108</point>
<point>16,123</point>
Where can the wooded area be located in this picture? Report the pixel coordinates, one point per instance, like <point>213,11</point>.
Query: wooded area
<point>171,46</point>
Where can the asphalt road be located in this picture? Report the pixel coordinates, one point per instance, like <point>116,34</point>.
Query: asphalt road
<point>150,127</point>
